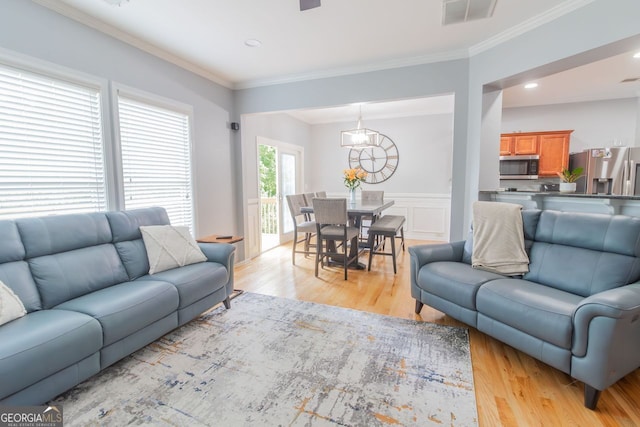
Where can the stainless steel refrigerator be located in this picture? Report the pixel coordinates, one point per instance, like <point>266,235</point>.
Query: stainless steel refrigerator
<point>613,170</point>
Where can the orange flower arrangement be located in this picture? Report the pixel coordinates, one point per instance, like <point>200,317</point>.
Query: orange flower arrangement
<point>353,178</point>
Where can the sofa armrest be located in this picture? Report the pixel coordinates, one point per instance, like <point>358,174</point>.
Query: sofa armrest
<point>222,253</point>
<point>424,254</point>
<point>621,304</point>
<point>606,341</point>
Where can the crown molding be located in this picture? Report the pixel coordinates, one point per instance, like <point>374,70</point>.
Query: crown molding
<point>528,25</point>
<point>129,39</point>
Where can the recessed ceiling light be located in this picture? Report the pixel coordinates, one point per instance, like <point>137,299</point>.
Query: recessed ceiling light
<point>531,85</point>
<point>637,55</point>
<point>253,43</point>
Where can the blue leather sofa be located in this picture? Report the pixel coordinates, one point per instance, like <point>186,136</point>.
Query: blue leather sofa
<point>90,302</point>
<point>578,307</point>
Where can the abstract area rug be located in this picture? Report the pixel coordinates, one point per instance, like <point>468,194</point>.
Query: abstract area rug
<point>277,362</point>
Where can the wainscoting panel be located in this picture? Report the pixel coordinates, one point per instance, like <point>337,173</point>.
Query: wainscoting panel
<point>254,235</point>
<point>428,215</point>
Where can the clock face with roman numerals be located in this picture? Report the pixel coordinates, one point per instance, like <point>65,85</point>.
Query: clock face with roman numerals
<point>379,162</point>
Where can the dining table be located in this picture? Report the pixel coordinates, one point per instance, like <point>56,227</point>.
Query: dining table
<point>356,211</point>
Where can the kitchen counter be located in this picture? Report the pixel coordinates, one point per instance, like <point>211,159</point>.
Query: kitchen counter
<point>572,202</point>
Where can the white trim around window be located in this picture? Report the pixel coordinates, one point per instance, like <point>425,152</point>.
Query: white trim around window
<point>154,145</point>
<point>52,133</point>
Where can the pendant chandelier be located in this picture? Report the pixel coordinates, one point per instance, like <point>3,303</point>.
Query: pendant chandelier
<point>360,137</point>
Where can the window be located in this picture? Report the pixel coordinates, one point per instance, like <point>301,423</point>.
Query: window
<point>51,151</point>
<point>156,158</point>
<point>55,158</point>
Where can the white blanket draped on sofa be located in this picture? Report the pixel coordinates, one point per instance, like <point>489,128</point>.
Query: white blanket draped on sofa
<point>498,238</point>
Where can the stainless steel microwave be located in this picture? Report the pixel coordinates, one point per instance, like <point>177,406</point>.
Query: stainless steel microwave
<point>519,167</point>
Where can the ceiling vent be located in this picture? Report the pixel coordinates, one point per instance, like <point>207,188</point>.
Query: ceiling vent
<point>457,11</point>
<point>630,80</point>
<point>116,2</point>
<point>309,4</point>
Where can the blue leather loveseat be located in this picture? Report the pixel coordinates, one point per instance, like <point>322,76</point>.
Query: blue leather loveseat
<point>578,307</point>
<point>84,282</point>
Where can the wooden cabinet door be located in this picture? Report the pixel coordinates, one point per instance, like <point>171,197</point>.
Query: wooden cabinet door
<point>554,154</point>
<point>506,145</point>
<point>525,144</point>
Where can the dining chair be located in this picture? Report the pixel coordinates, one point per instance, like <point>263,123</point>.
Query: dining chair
<point>369,196</point>
<point>308,201</point>
<point>332,226</point>
<point>387,226</point>
<point>321,194</point>
<point>301,224</point>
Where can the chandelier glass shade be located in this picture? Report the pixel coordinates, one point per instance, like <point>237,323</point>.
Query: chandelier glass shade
<point>360,137</point>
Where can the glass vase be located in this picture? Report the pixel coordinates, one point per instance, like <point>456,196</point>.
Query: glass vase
<point>352,195</point>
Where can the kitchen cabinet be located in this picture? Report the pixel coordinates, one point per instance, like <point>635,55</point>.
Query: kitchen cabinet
<point>554,153</point>
<point>551,146</point>
<point>516,145</point>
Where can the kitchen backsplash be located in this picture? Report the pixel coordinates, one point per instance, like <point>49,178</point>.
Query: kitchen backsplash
<point>528,185</point>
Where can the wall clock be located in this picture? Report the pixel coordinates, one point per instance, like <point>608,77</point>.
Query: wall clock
<point>379,162</point>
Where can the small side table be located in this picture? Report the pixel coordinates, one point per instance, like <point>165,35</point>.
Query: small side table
<point>218,238</point>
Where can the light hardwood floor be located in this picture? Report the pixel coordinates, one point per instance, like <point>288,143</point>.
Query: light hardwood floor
<point>512,389</point>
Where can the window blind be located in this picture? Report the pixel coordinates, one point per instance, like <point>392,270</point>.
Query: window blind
<point>51,151</point>
<point>156,159</point>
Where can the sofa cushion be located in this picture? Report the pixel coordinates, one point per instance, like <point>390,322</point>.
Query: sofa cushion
<point>125,227</point>
<point>580,271</point>
<point>454,281</point>
<point>599,232</point>
<point>194,281</point>
<point>54,234</point>
<point>585,253</point>
<point>42,343</point>
<point>14,271</point>
<point>11,248</point>
<point>17,276</point>
<point>67,275</point>
<point>127,307</point>
<point>11,308</point>
<point>538,310</point>
<point>170,247</point>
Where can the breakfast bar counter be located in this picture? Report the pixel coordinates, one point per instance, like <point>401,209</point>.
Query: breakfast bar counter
<point>570,202</point>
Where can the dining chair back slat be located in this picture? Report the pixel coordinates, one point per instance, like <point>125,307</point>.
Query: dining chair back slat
<point>301,224</point>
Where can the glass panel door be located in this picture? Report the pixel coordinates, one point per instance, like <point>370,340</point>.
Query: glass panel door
<point>287,168</point>
<point>280,174</point>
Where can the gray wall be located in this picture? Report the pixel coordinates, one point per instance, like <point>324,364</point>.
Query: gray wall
<point>424,144</point>
<point>29,29</point>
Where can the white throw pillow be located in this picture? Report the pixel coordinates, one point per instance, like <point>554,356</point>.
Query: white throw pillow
<point>11,307</point>
<point>170,247</point>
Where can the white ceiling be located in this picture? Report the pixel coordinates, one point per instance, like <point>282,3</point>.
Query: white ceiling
<point>340,37</point>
